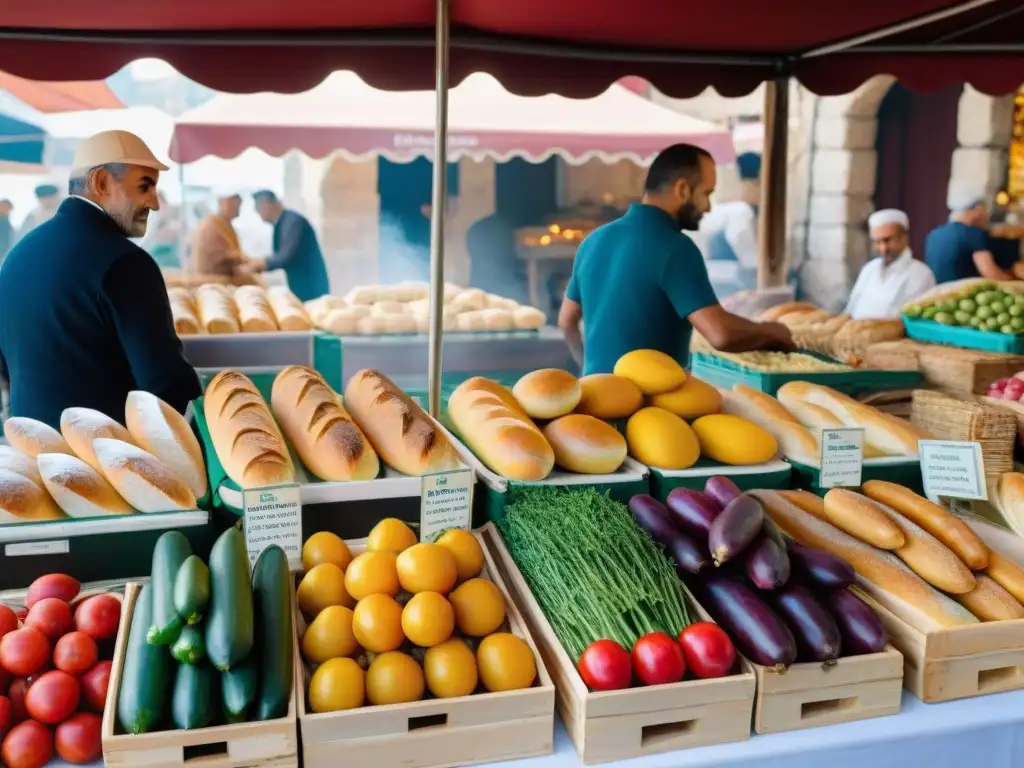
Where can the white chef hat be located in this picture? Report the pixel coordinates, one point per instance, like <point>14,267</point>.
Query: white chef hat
<point>888,216</point>
<point>961,200</point>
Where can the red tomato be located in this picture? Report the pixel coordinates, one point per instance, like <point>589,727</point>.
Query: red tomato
<point>16,694</point>
<point>709,651</point>
<point>605,666</point>
<point>78,738</point>
<point>50,616</point>
<point>53,697</point>
<point>658,659</point>
<point>24,651</point>
<point>57,585</point>
<point>98,616</point>
<point>28,745</point>
<point>8,620</point>
<point>94,686</point>
<point>75,653</point>
<point>5,716</point>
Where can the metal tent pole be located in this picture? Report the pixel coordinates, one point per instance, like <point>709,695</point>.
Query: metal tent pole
<point>437,214</point>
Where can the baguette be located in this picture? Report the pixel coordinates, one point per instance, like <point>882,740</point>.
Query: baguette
<point>21,464</point>
<point>22,501</point>
<point>816,419</point>
<point>398,429</point>
<point>254,310</point>
<point>1007,573</point>
<point>33,437</point>
<point>945,526</point>
<point>795,441</point>
<point>990,602</point>
<point>496,428</point>
<point>81,426</point>
<point>1008,499</point>
<point>217,310</point>
<point>882,575</point>
<point>863,518</point>
<point>140,478</point>
<point>159,429</point>
<point>772,408</point>
<point>79,489</point>
<point>329,443</point>
<point>807,501</point>
<point>248,442</point>
<point>288,310</point>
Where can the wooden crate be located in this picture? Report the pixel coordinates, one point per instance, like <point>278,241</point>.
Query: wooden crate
<point>437,733</point>
<point>269,744</point>
<point>810,695</point>
<point>614,725</point>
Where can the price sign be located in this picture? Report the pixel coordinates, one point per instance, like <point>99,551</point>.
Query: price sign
<point>953,469</point>
<point>446,501</point>
<point>273,516</point>
<point>59,547</point>
<point>842,457</point>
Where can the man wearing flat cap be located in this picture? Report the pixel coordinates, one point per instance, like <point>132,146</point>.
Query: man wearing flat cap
<point>47,200</point>
<point>84,314</point>
<point>961,248</point>
<point>894,278</point>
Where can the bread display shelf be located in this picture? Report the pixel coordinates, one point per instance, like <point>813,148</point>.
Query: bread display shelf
<point>266,744</point>
<point>902,470</point>
<point>246,351</point>
<point>615,725</point>
<point>773,474</point>
<point>436,733</point>
<point>373,338</point>
<point>246,336</point>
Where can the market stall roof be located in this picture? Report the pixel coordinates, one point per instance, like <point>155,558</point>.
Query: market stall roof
<point>60,96</point>
<point>532,46</point>
<point>67,129</point>
<point>345,115</point>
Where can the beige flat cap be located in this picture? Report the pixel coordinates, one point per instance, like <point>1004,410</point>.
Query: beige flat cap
<point>115,147</point>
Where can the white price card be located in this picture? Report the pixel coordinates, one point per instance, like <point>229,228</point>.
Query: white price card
<point>273,516</point>
<point>446,501</point>
<point>952,469</point>
<point>842,457</point>
<point>58,547</point>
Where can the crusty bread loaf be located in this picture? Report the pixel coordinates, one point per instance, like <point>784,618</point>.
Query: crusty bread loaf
<point>141,479</point>
<point>248,442</point>
<point>774,313</point>
<point>548,393</point>
<point>20,463</point>
<point>288,310</point>
<point>492,423</point>
<point>398,429</point>
<point>528,318</point>
<point>795,441</point>
<point>81,426</point>
<point>816,418</point>
<point>772,408</point>
<point>254,310</point>
<point>79,489</point>
<point>586,445</point>
<point>217,310</point>
<point>329,443</point>
<point>607,396</point>
<point>184,312</point>
<point>498,319</point>
<point>159,429</point>
<point>990,602</point>
<point>33,437</point>
<point>22,501</point>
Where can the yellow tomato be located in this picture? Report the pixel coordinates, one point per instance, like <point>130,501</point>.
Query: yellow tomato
<point>427,568</point>
<point>325,547</point>
<point>377,623</point>
<point>337,684</point>
<point>372,573</point>
<point>321,587</point>
<point>479,607</point>
<point>468,554</point>
<point>428,619</point>
<point>450,669</point>
<point>506,662</point>
<point>329,636</point>
<point>394,678</point>
<point>390,535</point>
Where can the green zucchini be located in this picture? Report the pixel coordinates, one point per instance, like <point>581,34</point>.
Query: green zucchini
<point>238,690</point>
<point>194,701</point>
<point>192,589</point>
<point>229,616</point>
<point>171,550</point>
<point>146,675</point>
<point>271,594</point>
<point>189,647</point>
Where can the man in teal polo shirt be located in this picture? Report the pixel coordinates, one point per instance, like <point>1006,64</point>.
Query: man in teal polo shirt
<point>639,283</point>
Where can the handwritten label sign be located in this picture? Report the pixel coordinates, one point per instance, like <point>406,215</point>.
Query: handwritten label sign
<point>953,469</point>
<point>273,516</point>
<point>59,547</point>
<point>446,501</point>
<point>842,457</point>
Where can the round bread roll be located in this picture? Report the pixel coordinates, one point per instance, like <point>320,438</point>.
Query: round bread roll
<point>586,445</point>
<point>142,479</point>
<point>470,321</point>
<point>497,319</point>
<point>528,318</point>
<point>607,396</point>
<point>33,437</point>
<point>79,489</point>
<point>548,393</point>
<point>469,300</point>
<point>342,322</point>
<point>362,294</point>
<point>385,308</point>
<point>21,464</point>
<point>398,323</point>
<point>448,322</point>
<point>451,290</point>
<point>494,301</point>
<point>370,326</point>
<point>422,323</point>
<point>22,501</point>
<point>81,426</point>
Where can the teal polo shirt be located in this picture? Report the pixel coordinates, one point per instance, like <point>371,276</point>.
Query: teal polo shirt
<point>638,278</point>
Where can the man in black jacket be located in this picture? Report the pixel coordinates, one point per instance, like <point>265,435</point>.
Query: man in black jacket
<point>84,314</point>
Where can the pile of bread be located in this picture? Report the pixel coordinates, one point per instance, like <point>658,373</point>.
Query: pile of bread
<point>837,336</point>
<point>336,442</point>
<point>215,309</point>
<point>95,467</point>
<point>405,308</point>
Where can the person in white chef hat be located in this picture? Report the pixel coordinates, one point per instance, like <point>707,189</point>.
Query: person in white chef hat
<point>888,282</point>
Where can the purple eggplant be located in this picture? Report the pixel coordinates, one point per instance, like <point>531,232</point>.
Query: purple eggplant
<point>721,490</point>
<point>819,568</point>
<point>757,631</point>
<point>817,635</point>
<point>690,556</point>
<point>693,511</point>
<point>860,627</point>
<point>735,529</point>
<point>767,566</point>
<point>651,515</point>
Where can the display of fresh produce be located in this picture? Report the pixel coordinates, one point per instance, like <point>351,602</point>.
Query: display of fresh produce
<point>658,659</point>
<point>403,618</point>
<point>606,666</point>
<point>985,307</point>
<point>708,650</point>
<point>54,672</point>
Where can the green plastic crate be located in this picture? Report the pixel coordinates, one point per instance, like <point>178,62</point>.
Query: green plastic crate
<point>902,470</point>
<point>969,338</point>
<point>774,475</point>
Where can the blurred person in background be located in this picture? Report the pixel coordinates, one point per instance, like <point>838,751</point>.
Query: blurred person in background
<point>47,200</point>
<point>296,249</point>
<point>961,247</point>
<point>6,229</point>
<point>163,235</point>
<point>730,229</point>
<point>216,249</point>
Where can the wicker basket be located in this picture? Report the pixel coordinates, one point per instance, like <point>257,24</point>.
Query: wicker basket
<point>851,343</point>
<point>963,372</point>
<point>949,418</point>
